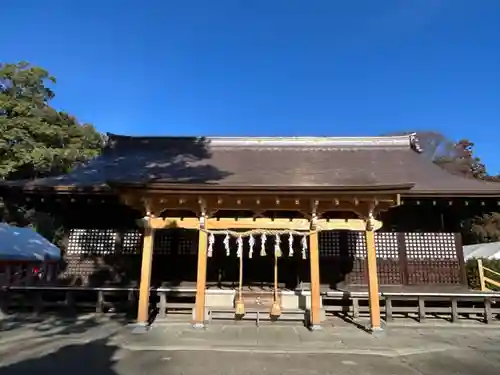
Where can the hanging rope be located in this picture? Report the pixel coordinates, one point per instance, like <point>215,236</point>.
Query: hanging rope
<point>239,242</point>
<point>263,238</point>
<point>262,232</point>
<point>240,307</point>
<point>277,245</point>
<point>276,308</point>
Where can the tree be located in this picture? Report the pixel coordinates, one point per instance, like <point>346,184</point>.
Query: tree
<point>485,228</point>
<point>37,140</point>
<point>460,160</point>
<point>455,157</point>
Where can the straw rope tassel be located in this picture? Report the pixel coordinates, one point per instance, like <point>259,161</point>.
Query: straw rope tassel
<point>240,307</point>
<point>275,308</point>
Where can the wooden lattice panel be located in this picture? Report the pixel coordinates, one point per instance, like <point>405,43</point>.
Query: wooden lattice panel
<point>329,244</point>
<point>132,242</point>
<point>432,259</point>
<point>435,246</point>
<point>356,243</point>
<point>167,242</point>
<point>92,241</point>
<point>386,245</point>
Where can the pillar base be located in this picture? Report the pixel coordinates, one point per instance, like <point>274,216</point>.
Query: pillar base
<point>376,331</point>
<point>138,328</point>
<point>315,327</point>
<point>198,325</point>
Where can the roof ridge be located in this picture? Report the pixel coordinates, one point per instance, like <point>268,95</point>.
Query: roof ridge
<point>407,140</point>
<point>382,141</point>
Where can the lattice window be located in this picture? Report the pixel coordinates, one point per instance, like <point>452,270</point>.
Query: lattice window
<point>329,244</point>
<point>386,244</point>
<point>132,242</point>
<point>357,244</point>
<point>92,241</point>
<point>430,246</point>
<point>179,242</point>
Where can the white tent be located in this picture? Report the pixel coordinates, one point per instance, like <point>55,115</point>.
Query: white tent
<point>483,250</point>
<point>26,245</point>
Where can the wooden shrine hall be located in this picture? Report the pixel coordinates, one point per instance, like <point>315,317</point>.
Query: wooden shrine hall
<point>257,213</point>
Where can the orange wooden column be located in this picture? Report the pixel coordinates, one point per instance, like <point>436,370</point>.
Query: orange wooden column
<point>315,286</point>
<point>146,266</point>
<point>373,288</point>
<point>201,279</point>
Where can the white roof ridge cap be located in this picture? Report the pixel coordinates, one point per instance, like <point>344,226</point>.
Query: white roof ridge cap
<point>386,141</point>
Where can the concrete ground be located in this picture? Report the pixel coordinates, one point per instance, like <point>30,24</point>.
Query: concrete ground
<point>103,346</point>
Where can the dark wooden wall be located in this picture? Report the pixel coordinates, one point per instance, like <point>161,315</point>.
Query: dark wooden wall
<point>342,261</point>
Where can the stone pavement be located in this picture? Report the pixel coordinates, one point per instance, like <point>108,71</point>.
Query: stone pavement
<point>339,338</point>
<point>103,346</point>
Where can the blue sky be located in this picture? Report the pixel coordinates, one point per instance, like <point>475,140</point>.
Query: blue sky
<point>269,67</point>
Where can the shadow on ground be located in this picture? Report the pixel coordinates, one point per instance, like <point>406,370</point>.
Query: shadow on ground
<point>50,325</point>
<point>92,358</point>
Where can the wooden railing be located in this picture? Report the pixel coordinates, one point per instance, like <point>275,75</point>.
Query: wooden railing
<point>39,299</point>
<point>471,305</point>
<point>167,301</point>
<point>484,280</point>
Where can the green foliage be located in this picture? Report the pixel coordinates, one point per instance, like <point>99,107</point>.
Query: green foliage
<point>473,275</point>
<point>37,140</point>
<point>486,228</point>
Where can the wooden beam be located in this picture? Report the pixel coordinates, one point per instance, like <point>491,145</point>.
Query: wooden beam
<point>259,223</point>
<point>146,266</point>
<point>346,224</point>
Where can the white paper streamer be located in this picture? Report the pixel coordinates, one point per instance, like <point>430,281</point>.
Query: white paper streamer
<point>226,245</point>
<point>277,247</point>
<point>290,245</point>
<point>251,244</point>
<point>263,240</point>
<point>304,246</point>
<point>239,242</point>
<point>211,241</point>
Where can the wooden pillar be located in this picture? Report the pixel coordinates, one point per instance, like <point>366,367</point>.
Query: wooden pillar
<point>373,289</point>
<point>201,279</point>
<point>315,318</point>
<point>146,266</point>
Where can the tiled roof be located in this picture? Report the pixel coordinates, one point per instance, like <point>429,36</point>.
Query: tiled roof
<point>329,162</point>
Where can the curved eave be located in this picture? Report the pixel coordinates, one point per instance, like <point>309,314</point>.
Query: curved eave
<point>58,189</point>
<point>214,188</point>
<point>452,194</point>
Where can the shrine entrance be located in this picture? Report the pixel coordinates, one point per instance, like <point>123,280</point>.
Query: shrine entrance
<point>257,266</point>
<point>257,261</point>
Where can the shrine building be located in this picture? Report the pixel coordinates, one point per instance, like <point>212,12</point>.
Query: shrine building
<point>261,223</point>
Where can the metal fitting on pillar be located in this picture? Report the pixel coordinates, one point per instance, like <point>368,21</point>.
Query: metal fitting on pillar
<point>370,221</point>
<point>314,214</point>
